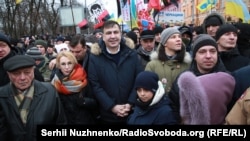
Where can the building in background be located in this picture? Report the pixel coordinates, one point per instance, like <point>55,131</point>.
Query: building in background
<point>194,17</point>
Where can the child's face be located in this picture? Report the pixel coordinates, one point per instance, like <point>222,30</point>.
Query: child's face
<point>144,95</point>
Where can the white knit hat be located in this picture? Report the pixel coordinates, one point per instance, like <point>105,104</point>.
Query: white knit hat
<point>61,47</point>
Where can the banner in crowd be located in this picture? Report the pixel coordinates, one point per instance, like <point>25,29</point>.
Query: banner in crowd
<point>170,14</point>
<point>99,12</point>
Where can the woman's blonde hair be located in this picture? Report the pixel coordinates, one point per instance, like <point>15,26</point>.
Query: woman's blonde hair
<point>67,54</point>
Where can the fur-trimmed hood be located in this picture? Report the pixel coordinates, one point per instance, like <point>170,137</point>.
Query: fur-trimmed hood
<point>193,100</point>
<point>187,57</point>
<point>96,48</point>
<point>209,16</point>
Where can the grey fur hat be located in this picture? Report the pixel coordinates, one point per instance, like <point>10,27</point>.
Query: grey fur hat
<point>166,33</point>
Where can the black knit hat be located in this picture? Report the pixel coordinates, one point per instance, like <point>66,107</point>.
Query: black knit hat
<point>132,35</point>
<point>5,39</point>
<point>147,80</point>
<point>35,53</point>
<point>203,40</point>
<point>60,39</point>
<point>158,29</point>
<point>224,29</point>
<point>214,21</point>
<point>185,29</point>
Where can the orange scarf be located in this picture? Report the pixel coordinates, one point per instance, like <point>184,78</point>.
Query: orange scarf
<point>74,83</point>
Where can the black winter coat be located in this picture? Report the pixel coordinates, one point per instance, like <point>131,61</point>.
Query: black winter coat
<point>233,60</point>
<point>80,108</point>
<point>45,108</point>
<point>4,79</point>
<point>113,82</point>
<point>174,92</point>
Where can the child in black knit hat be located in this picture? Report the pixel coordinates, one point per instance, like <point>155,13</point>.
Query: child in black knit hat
<point>152,106</point>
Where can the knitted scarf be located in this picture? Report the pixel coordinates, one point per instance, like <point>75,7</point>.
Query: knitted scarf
<point>70,84</point>
<point>142,51</point>
<point>23,101</point>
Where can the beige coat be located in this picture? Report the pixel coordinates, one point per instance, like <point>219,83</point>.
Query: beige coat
<point>240,113</point>
<point>168,70</point>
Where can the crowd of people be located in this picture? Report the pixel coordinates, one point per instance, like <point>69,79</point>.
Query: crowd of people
<point>176,75</point>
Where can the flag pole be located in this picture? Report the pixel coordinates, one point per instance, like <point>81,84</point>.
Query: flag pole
<point>130,15</point>
<point>85,13</point>
<point>72,15</point>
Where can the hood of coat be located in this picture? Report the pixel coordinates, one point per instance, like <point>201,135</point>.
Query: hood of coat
<point>158,94</point>
<point>96,48</point>
<point>212,15</point>
<point>187,57</point>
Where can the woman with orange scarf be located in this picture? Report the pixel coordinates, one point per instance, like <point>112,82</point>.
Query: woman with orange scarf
<point>71,82</point>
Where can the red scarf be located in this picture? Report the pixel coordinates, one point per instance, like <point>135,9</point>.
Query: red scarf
<point>74,83</point>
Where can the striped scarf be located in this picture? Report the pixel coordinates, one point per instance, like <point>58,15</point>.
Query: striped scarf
<point>23,101</point>
<point>72,83</point>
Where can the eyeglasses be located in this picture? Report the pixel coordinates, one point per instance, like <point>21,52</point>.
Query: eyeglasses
<point>66,64</point>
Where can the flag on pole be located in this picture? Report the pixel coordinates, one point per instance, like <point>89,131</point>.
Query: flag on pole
<point>206,5</point>
<point>133,8</point>
<point>18,1</point>
<point>83,24</point>
<point>238,9</point>
<point>104,16</point>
